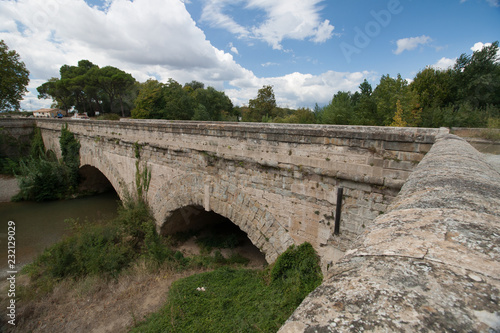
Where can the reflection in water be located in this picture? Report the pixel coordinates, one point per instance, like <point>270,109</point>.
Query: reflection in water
<point>39,225</point>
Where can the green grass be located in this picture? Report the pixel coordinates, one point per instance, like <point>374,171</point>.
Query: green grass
<point>239,300</point>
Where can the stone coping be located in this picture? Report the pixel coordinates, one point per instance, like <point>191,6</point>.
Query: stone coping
<point>431,264</point>
<point>398,134</point>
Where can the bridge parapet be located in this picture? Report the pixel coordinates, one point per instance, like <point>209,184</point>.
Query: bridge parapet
<point>432,263</point>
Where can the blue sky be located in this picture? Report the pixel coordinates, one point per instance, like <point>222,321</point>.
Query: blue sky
<point>307,49</point>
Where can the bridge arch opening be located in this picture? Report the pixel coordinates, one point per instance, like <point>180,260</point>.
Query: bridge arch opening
<point>195,228</point>
<point>93,181</point>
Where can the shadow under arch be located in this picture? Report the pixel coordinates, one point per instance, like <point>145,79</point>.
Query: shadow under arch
<point>264,231</point>
<point>197,227</point>
<point>92,180</point>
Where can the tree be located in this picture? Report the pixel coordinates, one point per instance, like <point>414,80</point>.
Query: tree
<point>215,103</point>
<point>89,88</point>
<point>387,93</point>
<point>193,86</point>
<point>365,109</point>
<point>117,84</point>
<point>340,109</point>
<point>398,120</point>
<point>149,103</point>
<point>479,76</point>
<point>61,95</point>
<point>263,105</point>
<point>14,78</point>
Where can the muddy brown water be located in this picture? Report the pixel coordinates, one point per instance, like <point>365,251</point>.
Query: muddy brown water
<point>41,224</point>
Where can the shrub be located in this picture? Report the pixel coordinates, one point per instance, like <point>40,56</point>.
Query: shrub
<point>297,271</point>
<point>42,179</point>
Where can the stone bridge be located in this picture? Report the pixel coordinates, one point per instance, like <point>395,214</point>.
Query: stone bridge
<point>424,260</point>
<point>278,183</point>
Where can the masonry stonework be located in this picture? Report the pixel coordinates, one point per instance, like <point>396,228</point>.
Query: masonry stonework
<point>430,264</point>
<point>277,182</point>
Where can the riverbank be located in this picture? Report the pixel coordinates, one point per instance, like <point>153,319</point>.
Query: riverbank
<point>94,304</point>
<point>8,187</point>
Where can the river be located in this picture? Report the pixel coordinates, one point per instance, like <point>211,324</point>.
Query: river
<point>39,225</point>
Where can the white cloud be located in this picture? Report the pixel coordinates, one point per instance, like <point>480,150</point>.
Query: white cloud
<point>408,44</point>
<point>493,3</point>
<point>233,48</point>
<point>213,13</point>
<point>444,63</point>
<point>479,46</point>
<point>297,89</point>
<point>139,37</point>
<point>142,37</point>
<point>269,63</point>
<point>285,19</point>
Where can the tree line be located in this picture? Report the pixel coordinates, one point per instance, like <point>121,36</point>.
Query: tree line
<point>466,95</point>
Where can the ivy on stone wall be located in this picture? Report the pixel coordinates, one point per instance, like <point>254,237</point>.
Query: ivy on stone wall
<point>142,177</point>
<point>70,150</point>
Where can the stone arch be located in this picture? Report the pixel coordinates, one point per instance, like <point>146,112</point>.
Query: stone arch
<point>227,200</point>
<point>95,157</point>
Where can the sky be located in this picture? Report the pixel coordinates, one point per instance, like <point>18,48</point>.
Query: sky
<point>308,50</point>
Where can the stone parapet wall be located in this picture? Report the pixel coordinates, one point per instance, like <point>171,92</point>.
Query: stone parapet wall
<point>431,264</point>
<point>15,136</point>
<point>280,179</point>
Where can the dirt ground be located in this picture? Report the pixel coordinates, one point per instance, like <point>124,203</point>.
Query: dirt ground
<point>104,306</point>
<point>8,188</point>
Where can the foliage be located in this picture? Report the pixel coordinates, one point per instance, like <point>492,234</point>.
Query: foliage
<point>340,110</point>
<point>37,146</point>
<point>299,116</point>
<point>264,105</point>
<point>12,150</point>
<point>386,95</point>
<point>89,88</point>
<point>398,121</point>
<point>42,177</point>
<point>100,248</point>
<point>297,271</point>
<point>14,78</point>
<point>238,300</point>
<point>70,150</point>
<point>172,101</point>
